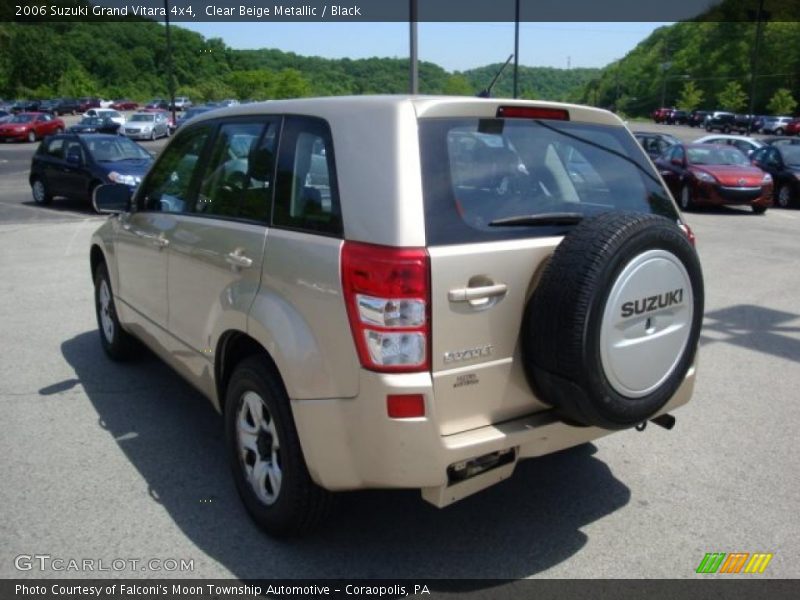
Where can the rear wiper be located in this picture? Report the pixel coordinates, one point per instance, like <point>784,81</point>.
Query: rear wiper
<point>543,219</point>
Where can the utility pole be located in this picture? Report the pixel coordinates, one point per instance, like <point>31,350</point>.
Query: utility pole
<point>760,16</point>
<point>413,83</point>
<point>664,67</point>
<point>170,74</point>
<point>516,48</point>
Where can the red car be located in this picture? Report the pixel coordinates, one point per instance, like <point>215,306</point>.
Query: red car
<point>30,126</point>
<point>660,115</point>
<point>124,105</point>
<point>793,127</point>
<point>713,174</point>
<point>86,103</point>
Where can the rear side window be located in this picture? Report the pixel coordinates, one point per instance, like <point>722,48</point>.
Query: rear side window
<point>55,148</point>
<point>307,198</point>
<point>477,172</point>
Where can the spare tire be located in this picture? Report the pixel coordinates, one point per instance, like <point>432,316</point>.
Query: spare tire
<point>612,328</point>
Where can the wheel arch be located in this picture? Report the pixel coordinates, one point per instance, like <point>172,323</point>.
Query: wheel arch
<point>233,347</point>
<point>96,258</point>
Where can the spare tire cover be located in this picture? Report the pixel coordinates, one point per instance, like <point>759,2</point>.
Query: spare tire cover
<point>612,328</point>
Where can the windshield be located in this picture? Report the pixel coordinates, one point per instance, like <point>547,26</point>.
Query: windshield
<point>143,118</point>
<point>478,172</point>
<point>107,149</point>
<point>716,156</point>
<point>22,119</point>
<point>93,121</point>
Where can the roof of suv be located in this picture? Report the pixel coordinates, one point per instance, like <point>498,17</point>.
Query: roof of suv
<point>424,106</point>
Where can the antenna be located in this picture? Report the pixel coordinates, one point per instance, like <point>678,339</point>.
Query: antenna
<point>487,92</point>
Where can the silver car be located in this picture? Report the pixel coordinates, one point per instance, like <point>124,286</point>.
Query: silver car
<point>775,125</point>
<point>403,292</point>
<point>147,126</point>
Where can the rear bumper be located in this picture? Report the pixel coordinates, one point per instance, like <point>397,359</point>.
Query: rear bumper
<point>352,443</point>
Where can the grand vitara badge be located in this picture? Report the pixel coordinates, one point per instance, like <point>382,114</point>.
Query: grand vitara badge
<point>651,303</point>
<point>468,354</point>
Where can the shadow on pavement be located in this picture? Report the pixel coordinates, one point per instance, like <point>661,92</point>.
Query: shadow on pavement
<point>755,327</point>
<point>173,437</point>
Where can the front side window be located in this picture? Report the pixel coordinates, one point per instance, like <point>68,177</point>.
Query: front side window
<point>55,148</point>
<point>306,192</point>
<point>237,182</point>
<point>168,185</point>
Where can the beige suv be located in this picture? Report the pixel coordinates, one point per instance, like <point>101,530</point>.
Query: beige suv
<point>403,292</point>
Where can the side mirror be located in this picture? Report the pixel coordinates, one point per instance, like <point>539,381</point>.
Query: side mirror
<point>112,198</point>
<point>74,157</point>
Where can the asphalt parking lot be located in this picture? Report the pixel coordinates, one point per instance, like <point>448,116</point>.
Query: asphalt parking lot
<point>107,461</point>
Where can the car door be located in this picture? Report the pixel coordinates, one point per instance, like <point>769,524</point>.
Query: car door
<point>143,235</point>
<point>217,246</point>
<point>671,167</point>
<point>75,175</point>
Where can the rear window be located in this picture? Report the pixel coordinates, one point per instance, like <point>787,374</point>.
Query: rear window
<point>478,171</point>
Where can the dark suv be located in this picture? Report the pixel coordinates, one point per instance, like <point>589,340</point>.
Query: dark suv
<point>724,122</point>
<point>62,106</point>
<point>697,118</point>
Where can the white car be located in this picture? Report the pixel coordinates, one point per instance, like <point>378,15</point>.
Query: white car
<point>744,143</point>
<point>775,125</point>
<point>109,113</point>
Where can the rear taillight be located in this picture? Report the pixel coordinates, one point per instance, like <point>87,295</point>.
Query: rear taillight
<point>387,293</point>
<point>689,233</point>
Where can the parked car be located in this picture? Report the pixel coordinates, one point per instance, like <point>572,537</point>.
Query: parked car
<point>399,318</point>
<point>63,106</point>
<point>228,102</point>
<point>793,127</point>
<point>182,103</point>
<point>106,113</point>
<point>746,144</point>
<point>745,124</point>
<point>96,125</point>
<point>157,104</point>
<point>775,125</point>
<point>660,115</point>
<point>5,115</point>
<point>677,117</point>
<point>697,118</point>
<point>147,126</point>
<point>124,104</point>
<point>88,102</point>
<point>18,106</point>
<point>655,144</point>
<point>782,162</point>
<point>192,112</point>
<point>780,141</point>
<point>720,121</point>
<point>712,174</point>
<point>73,165</point>
<point>30,127</point>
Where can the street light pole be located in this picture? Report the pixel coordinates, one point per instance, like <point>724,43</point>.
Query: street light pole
<point>170,74</point>
<point>413,83</point>
<point>516,49</point>
<point>754,63</point>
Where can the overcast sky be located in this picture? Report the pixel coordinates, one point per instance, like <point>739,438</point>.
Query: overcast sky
<point>454,46</point>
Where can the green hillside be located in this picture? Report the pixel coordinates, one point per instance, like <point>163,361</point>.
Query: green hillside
<point>711,56</point>
<point>128,59</point>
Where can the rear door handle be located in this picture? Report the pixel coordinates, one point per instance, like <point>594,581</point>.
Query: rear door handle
<point>238,259</point>
<point>478,296</point>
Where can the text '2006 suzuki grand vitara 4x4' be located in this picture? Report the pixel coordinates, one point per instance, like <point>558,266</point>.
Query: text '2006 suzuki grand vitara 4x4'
<point>403,292</point>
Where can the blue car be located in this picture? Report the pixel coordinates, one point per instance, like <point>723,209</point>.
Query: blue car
<point>73,165</point>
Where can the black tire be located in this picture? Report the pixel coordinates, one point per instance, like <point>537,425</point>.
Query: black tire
<point>117,343</point>
<point>685,200</point>
<point>758,210</point>
<point>31,136</point>
<point>59,130</point>
<point>783,196</point>
<point>299,504</point>
<point>563,322</point>
<point>153,135</point>
<point>40,191</point>
<point>726,129</point>
<point>779,131</point>
<point>708,129</point>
